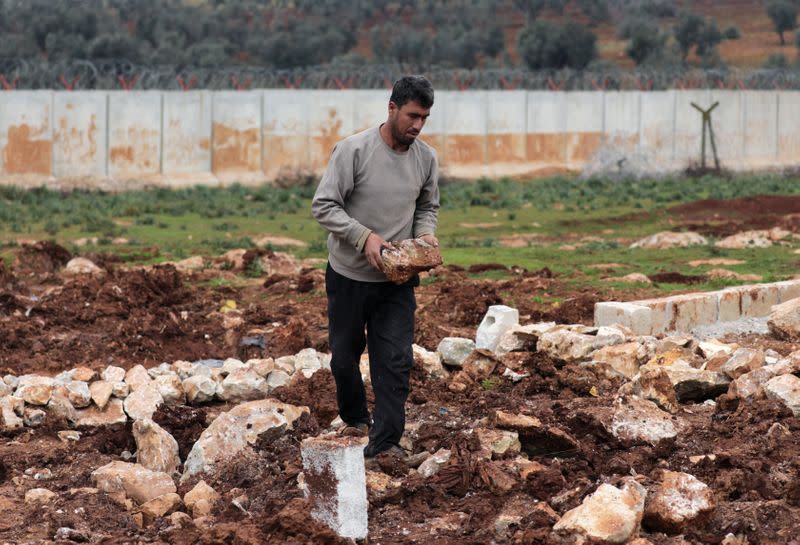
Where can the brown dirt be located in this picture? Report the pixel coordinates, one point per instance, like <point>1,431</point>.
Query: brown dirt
<point>676,278</point>
<point>149,316</point>
<point>712,217</point>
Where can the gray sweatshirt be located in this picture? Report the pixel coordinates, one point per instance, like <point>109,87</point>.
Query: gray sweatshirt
<point>370,187</point>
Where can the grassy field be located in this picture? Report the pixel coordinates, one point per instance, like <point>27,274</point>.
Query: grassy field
<point>565,224</point>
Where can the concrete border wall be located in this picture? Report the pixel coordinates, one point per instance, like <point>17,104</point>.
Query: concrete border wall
<point>682,313</point>
<point>118,139</point>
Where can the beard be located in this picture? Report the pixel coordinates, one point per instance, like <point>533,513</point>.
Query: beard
<point>401,137</point>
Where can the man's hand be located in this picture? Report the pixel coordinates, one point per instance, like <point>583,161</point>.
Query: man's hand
<point>372,249</point>
<point>430,239</point>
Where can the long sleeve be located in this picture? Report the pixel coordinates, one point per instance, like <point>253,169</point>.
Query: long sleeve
<point>427,206</point>
<point>328,205</point>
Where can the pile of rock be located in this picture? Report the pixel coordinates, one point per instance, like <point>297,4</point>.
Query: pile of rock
<point>83,398</point>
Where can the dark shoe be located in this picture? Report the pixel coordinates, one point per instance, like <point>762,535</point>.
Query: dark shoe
<point>358,430</point>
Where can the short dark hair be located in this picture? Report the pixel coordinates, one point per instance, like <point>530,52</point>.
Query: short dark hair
<point>412,88</point>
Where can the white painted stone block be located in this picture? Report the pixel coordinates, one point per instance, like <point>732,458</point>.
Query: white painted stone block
<point>692,310</point>
<point>336,483</point>
<point>634,316</point>
<point>498,320</point>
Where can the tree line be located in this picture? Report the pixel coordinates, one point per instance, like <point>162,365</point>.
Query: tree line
<point>286,34</point>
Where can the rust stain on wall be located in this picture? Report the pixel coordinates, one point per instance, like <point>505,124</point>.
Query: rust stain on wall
<point>235,150</point>
<point>546,148</point>
<point>506,148</point>
<point>329,134</point>
<point>76,146</point>
<point>26,152</point>
<point>436,141</point>
<point>465,149</point>
<point>581,146</point>
<point>283,153</point>
<point>137,152</point>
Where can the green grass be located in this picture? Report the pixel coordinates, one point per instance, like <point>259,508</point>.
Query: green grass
<point>475,217</point>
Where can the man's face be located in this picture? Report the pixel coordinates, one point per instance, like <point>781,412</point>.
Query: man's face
<point>406,122</point>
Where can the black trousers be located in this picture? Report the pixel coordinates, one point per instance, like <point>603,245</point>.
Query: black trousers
<point>387,312</point>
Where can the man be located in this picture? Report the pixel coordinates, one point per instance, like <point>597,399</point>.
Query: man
<point>380,185</point>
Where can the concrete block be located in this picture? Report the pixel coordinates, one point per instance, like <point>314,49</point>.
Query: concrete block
<point>688,123</point>
<point>661,313</point>
<point>336,483</point>
<point>584,126</point>
<point>634,316</point>
<point>285,131</point>
<point>330,120</point>
<point>466,122</point>
<point>79,134</point>
<point>498,320</point>
<point>692,310</point>
<point>26,136</point>
<point>758,300</point>
<point>760,128</point>
<point>621,126</point>
<point>506,139</point>
<point>187,137</point>
<point>546,129</point>
<point>788,135</point>
<point>656,129</point>
<point>134,135</point>
<point>788,289</point>
<point>729,303</point>
<point>236,136</point>
<point>728,126</point>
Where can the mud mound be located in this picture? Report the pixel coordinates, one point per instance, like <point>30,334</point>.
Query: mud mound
<point>721,218</point>
<point>676,278</point>
<point>42,258</point>
<point>318,393</point>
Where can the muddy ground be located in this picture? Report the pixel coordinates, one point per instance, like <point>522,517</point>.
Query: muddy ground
<point>131,316</point>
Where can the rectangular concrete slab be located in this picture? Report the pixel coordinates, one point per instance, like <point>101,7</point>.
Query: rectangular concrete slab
<point>788,133</point>
<point>787,290</point>
<point>331,119</point>
<point>466,122</point>
<point>79,134</point>
<point>584,126</point>
<point>621,122</point>
<point>507,131</point>
<point>187,136</point>
<point>236,136</point>
<point>761,128</point>
<point>657,127</point>
<point>547,118</point>
<point>26,136</point>
<point>134,135</point>
<point>689,126</point>
<point>285,128</point>
<point>728,124</point>
<point>729,302</point>
<point>634,316</point>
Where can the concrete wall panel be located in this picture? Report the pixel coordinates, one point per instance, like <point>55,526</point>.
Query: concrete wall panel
<point>788,132</point>
<point>657,126</point>
<point>621,125</point>
<point>466,123</point>
<point>371,107</point>
<point>507,129</point>
<point>187,136</point>
<point>761,122</point>
<point>688,126</point>
<point>728,124</point>
<point>236,136</point>
<point>285,131</point>
<point>79,134</point>
<point>546,138</point>
<point>584,126</point>
<point>331,115</point>
<point>134,135</point>
<point>26,133</point>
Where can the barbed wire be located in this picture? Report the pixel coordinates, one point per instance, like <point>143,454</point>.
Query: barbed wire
<point>122,75</point>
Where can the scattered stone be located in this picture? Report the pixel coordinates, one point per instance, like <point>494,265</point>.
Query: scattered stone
<point>34,389</point>
<point>243,385</point>
<point>575,343</point>
<point>194,263</point>
<point>640,421</point>
<point>199,389</point>
<point>336,483</point>
<point>34,417</point>
<point>786,389</point>
<point>160,370</point>
<point>70,534</point>
<point>404,259</point>
<point>113,413</point>
<point>668,239</point>
<point>85,374</point>
<point>11,381</point>
<point>77,392</point>
<point>159,507</point>
<point>80,266</point>
<point>133,480</point>
<point>498,320</point>
<point>234,430</point>
<point>156,449</point>
<point>498,441</point>
<point>743,361</point>
<point>632,278</point>
<point>143,402</point>
<point>285,364</point>
<point>711,348</point>
<point>716,261</point>
<point>40,495</point>
<point>434,463</point>
<point>516,422</point>
<point>170,388</point>
<point>480,364</point>
<point>430,362</point>
<point>454,350</point>
<point>695,384</point>
<point>9,407</point>
<point>609,515</point>
<point>679,500</point>
<point>307,362</point>
<point>120,389</point>
<point>653,384</point>
<point>626,358</point>
<point>784,320</point>
<point>278,378</point>
<point>113,374</point>
<point>522,338</point>
<point>725,274</point>
<point>59,407</point>
<point>69,435</point>
<point>261,366</point>
<point>101,391</point>
<point>753,239</point>
<point>137,377</point>
<point>232,364</point>
<point>200,500</point>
